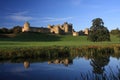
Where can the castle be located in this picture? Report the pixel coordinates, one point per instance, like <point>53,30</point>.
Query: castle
<point>65,28</point>
<point>55,29</point>
<point>61,29</point>
<point>28,28</point>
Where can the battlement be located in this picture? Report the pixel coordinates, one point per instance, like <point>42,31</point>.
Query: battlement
<point>61,29</point>
<point>66,28</point>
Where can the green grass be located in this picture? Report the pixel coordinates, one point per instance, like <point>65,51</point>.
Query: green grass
<point>38,39</point>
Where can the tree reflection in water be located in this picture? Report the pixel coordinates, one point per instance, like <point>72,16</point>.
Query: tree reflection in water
<point>98,62</point>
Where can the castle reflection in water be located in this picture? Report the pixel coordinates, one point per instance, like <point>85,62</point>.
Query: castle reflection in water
<point>66,61</point>
<point>26,64</point>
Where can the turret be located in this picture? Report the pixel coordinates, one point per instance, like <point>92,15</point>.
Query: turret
<point>26,27</point>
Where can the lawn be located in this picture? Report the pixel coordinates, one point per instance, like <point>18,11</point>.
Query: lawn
<point>38,39</point>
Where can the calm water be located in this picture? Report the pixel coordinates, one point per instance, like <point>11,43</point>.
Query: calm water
<point>60,69</point>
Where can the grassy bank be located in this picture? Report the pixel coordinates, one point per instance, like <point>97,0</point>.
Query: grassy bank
<point>55,51</point>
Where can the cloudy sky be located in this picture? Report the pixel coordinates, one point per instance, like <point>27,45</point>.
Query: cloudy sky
<point>43,12</point>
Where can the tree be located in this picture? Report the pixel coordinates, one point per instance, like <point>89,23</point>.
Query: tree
<point>17,29</point>
<point>115,31</point>
<point>98,32</point>
<point>4,30</point>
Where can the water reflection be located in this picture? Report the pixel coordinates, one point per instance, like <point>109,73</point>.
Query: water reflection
<point>85,64</point>
<point>66,61</point>
<point>26,64</point>
<point>98,62</point>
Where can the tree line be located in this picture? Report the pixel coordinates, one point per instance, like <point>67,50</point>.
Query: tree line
<point>97,32</point>
<point>15,29</point>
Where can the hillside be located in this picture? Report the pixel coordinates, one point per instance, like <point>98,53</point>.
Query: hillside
<point>27,37</point>
<point>38,39</point>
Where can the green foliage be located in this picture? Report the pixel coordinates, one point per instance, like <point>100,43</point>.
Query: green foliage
<point>98,32</point>
<point>17,29</point>
<point>53,51</point>
<point>97,23</point>
<point>4,30</point>
<point>115,32</point>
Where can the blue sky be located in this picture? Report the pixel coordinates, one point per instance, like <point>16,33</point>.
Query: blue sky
<point>43,12</point>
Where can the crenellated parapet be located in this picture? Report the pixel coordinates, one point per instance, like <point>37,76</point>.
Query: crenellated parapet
<point>65,28</point>
<point>61,29</point>
<point>28,28</point>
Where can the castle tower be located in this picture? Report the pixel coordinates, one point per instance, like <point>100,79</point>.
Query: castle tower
<point>26,27</point>
<point>57,29</point>
<point>86,31</point>
<point>68,28</point>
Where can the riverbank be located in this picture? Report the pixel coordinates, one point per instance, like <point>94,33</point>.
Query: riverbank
<point>55,51</point>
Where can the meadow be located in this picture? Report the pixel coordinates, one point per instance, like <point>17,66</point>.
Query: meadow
<point>41,40</point>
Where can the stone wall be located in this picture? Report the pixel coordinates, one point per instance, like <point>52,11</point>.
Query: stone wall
<point>75,33</point>
<point>55,29</point>
<point>41,30</point>
<point>86,31</point>
<point>27,28</point>
<point>61,29</point>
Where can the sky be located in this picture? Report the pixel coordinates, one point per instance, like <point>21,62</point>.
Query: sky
<point>40,13</point>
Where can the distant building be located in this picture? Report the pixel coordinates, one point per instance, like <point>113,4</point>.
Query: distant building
<point>75,33</point>
<point>28,28</point>
<point>55,29</point>
<point>86,31</point>
<point>61,29</point>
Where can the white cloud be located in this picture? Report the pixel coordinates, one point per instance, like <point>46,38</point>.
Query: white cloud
<point>50,19</point>
<point>19,13</point>
<point>19,16</point>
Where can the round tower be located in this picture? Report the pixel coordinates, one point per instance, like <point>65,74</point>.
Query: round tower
<point>26,27</point>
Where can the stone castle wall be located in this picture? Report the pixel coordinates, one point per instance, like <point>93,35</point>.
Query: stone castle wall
<point>61,29</point>
<point>55,29</point>
<point>27,28</point>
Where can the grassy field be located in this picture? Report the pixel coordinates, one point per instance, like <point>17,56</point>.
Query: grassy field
<point>38,39</point>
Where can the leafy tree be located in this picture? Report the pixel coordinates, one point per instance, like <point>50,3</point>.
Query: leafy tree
<point>17,29</point>
<point>98,32</point>
<point>4,30</point>
<point>115,32</point>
